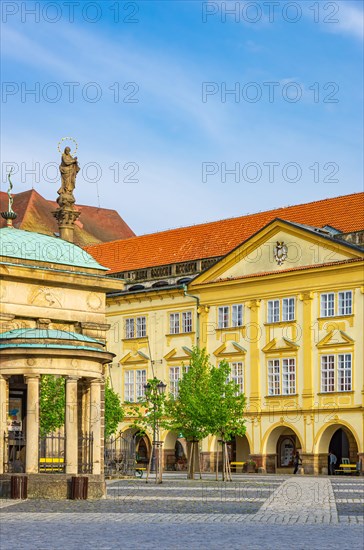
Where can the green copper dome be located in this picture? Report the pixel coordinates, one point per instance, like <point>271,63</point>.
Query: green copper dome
<point>26,245</point>
<point>44,338</point>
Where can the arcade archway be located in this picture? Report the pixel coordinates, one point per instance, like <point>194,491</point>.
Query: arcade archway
<point>280,447</point>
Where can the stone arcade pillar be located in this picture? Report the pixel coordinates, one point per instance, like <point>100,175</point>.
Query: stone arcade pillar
<point>71,425</point>
<point>3,419</point>
<point>95,423</point>
<point>32,424</point>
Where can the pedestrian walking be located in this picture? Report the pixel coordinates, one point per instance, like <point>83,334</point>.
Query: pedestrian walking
<point>297,461</point>
<point>332,462</point>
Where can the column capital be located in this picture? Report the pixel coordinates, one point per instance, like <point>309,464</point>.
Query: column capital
<point>306,296</point>
<point>72,378</point>
<point>29,377</point>
<point>254,304</point>
<point>96,381</point>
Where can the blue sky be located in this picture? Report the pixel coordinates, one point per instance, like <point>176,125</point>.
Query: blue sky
<point>156,143</point>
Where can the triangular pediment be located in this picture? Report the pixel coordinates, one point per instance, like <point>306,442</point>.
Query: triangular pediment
<point>134,357</point>
<point>278,247</point>
<point>229,349</point>
<point>182,353</point>
<point>281,345</point>
<point>335,338</point>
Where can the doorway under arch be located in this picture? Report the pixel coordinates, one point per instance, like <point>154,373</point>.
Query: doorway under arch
<point>281,446</point>
<point>175,452</point>
<point>339,440</point>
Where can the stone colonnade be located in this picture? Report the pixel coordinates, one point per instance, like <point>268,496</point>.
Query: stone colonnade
<point>87,410</point>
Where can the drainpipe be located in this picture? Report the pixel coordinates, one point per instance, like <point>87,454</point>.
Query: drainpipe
<point>197,314</point>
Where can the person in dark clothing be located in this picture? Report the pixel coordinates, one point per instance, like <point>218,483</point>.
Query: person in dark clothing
<point>332,462</point>
<point>297,461</point>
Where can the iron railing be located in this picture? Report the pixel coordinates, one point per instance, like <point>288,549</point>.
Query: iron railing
<point>14,452</point>
<point>120,455</point>
<point>85,453</point>
<point>52,453</point>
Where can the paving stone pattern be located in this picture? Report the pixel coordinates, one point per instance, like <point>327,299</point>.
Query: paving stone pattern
<point>251,512</point>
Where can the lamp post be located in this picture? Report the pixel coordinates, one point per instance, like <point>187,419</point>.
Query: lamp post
<point>154,391</point>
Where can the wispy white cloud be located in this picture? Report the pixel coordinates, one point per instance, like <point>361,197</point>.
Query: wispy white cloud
<point>351,18</point>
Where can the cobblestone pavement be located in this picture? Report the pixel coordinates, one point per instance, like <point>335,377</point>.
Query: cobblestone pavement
<point>252,512</point>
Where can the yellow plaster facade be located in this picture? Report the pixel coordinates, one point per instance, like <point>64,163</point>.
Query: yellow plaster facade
<point>292,329</point>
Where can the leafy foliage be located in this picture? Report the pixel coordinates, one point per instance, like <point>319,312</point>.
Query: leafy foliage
<point>189,413</point>
<point>226,404</point>
<point>114,412</point>
<point>207,403</point>
<point>51,403</point>
<point>149,412</point>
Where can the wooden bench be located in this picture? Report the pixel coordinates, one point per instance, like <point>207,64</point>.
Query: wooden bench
<point>51,464</point>
<point>237,465</point>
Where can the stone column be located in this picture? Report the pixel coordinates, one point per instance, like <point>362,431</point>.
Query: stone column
<point>4,405</point>
<point>95,423</point>
<point>71,425</point>
<point>32,424</point>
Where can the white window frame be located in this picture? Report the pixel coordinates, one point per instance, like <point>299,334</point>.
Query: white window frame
<point>289,376</point>
<point>174,326</point>
<point>186,321</point>
<point>129,328</point>
<point>327,304</point>
<point>344,372</point>
<point>328,373</point>
<point>237,374</point>
<point>237,315</point>
<point>230,316</point>
<point>140,382</point>
<point>345,302</point>
<point>273,311</point>
<point>174,378</point>
<point>282,376</point>
<point>135,327</point>
<point>281,310</point>
<point>141,327</point>
<point>129,394</point>
<point>288,309</point>
<point>223,317</point>
<point>274,385</point>
<point>336,372</point>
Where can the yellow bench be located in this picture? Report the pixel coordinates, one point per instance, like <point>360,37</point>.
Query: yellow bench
<point>51,464</point>
<point>347,468</point>
<point>139,470</point>
<point>237,465</point>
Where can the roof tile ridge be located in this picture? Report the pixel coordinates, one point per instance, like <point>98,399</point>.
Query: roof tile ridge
<point>30,202</point>
<point>204,224</point>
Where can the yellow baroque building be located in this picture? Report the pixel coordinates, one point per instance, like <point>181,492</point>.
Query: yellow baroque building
<point>285,309</point>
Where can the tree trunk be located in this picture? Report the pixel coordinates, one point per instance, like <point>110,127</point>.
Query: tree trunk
<point>191,461</point>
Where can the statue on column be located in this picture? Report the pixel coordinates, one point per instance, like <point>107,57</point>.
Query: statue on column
<point>66,214</point>
<point>69,169</point>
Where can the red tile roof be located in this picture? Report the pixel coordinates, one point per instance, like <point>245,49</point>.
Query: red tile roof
<point>95,225</point>
<point>214,239</point>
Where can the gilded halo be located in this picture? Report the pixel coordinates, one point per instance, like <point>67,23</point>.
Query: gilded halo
<point>68,139</point>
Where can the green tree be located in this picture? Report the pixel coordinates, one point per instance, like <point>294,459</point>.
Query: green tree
<point>52,402</point>
<point>189,412</point>
<point>227,407</point>
<point>114,412</point>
